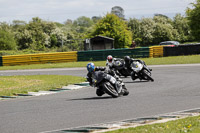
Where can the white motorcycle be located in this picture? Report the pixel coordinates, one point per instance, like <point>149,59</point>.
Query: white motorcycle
<point>140,71</point>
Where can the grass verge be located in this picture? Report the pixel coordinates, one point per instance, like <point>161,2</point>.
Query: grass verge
<point>186,125</point>
<point>11,85</point>
<point>192,59</point>
<point>149,61</point>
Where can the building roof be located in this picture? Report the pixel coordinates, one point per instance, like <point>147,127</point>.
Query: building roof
<point>105,37</point>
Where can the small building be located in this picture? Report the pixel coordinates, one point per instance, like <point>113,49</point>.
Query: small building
<point>98,43</point>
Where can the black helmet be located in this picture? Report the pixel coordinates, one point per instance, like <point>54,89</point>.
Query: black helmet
<point>127,58</point>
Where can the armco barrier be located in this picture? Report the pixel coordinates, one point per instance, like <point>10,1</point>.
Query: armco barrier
<point>12,60</point>
<point>100,55</point>
<point>156,51</point>
<point>1,64</point>
<point>187,49</point>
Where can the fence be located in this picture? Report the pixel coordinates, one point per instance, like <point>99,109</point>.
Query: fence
<point>38,58</point>
<point>100,55</point>
<point>188,49</point>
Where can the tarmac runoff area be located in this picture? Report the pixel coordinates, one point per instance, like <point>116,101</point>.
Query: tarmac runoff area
<point>99,128</point>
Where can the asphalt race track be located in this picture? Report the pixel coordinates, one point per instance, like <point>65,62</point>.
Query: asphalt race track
<point>176,88</point>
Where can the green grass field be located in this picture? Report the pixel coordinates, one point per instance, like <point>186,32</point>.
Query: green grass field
<point>11,85</point>
<point>186,125</point>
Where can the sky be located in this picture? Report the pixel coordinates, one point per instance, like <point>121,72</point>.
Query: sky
<point>61,10</point>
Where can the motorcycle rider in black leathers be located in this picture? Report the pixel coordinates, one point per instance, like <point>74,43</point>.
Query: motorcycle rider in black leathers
<point>99,71</point>
<point>111,63</point>
<point>128,62</point>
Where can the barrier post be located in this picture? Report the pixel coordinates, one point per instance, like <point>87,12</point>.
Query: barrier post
<point>1,61</point>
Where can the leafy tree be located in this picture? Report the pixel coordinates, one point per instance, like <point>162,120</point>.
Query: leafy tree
<point>24,39</point>
<point>39,35</point>
<point>162,19</point>
<point>74,35</point>
<point>18,24</point>
<point>180,23</point>
<point>114,27</point>
<point>68,22</point>
<point>135,26</point>
<point>5,27</point>
<point>147,30</point>
<point>83,24</point>
<point>83,21</point>
<point>54,40</point>
<point>142,30</point>
<point>193,15</point>
<point>118,11</point>
<point>7,41</point>
<point>161,15</point>
<point>95,19</point>
<point>151,31</point>
<point>164,32</point>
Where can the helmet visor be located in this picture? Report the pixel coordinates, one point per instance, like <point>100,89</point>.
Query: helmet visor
<point>109,60</point>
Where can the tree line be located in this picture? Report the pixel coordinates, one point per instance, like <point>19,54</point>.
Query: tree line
<point>44,35</point>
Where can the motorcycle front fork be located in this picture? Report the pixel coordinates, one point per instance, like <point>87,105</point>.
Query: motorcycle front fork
<point>135,75</point>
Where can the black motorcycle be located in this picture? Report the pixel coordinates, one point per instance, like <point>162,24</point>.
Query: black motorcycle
<point>140,71</point>
<point>107,87</point>
<point>120,69</point>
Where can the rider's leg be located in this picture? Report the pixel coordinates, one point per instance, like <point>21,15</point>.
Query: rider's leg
<point>99,92</point>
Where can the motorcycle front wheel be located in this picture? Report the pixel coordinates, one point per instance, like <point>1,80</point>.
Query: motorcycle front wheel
<point>147,75</point>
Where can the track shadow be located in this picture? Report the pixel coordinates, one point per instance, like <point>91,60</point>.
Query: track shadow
<point>92,98</point>
<point>144,81</point>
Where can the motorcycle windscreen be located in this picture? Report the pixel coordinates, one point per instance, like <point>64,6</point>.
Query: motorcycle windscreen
<point>136,66</point>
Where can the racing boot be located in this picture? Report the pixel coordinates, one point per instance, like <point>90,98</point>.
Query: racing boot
<point>125,92</point>
<point>99,92</point>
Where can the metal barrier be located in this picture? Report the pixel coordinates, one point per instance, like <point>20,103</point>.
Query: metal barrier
<point>39,58</point>
<point>1,62</point>
<point>156,51</point>
<point>186,49</point>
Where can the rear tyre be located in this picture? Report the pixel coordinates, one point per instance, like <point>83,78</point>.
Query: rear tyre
<point>110,90</point>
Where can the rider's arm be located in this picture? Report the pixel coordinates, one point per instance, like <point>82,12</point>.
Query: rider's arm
<point>100,69</point>
<point>89,78</point>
